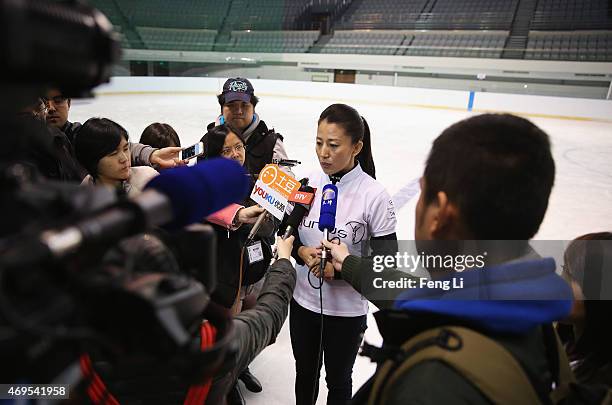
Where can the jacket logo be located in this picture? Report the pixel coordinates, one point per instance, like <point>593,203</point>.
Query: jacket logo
<point>238,86</point>
<point>358,231</point>
<point>341,233</point>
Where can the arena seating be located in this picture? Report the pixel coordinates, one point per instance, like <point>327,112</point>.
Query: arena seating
<point>576,45</point>
<point>173,38</point>
<point>577,30</point>
<point>456,44</point>
<point>572,15</point>
<point>374,42</point>
<point>271,41</point>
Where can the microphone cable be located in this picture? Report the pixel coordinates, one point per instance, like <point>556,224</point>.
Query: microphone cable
<point>320,349</point>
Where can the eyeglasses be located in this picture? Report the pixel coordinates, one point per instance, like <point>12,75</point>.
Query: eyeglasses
<point>41,110</point>
<point>228,151</point>
<point>57,100</point>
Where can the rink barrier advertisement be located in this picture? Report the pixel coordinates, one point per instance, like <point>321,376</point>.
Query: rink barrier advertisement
<point>525,105</point>
<point>436,268</point>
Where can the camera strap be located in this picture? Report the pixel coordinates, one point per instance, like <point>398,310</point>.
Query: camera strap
<point>197,394</point>
<point>99,394</point>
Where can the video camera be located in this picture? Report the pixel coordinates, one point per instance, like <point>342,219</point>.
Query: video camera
<point>80,268</point>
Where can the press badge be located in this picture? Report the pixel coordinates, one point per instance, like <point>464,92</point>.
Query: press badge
<point>255,252</point>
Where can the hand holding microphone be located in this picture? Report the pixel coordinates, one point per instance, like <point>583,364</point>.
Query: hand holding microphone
<point>327,217</point>
<point>249,215</point>
<point>339,251</point>
<point>284,246</point>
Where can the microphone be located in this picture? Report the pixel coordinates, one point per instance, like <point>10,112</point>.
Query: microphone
<point>298,213</point>
<point>175,198</point>
<point>327,217</point>
<point>200,190</point>
<point>260,220</point>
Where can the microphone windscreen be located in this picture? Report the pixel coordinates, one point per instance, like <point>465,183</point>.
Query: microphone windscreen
<point>327,217</point>
<point>197,191</point>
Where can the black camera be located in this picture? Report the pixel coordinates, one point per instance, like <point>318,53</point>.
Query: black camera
<point>145,293</point>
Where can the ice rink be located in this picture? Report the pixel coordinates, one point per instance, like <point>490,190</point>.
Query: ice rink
<point>402,133</point>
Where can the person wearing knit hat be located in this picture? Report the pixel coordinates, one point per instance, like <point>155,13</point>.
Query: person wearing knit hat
<point>102,149</point>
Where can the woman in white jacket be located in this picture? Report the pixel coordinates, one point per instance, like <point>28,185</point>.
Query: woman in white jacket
<point>364,212</point>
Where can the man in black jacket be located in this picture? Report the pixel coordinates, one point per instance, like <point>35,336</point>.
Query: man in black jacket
<point>263,145</point>
<point>238,101</point>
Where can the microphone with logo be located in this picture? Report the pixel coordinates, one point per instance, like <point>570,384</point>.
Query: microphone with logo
<point>327,218</point>
<point>300,210</point>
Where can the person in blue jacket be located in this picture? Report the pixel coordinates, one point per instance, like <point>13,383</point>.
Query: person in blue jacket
<point>487,178</point>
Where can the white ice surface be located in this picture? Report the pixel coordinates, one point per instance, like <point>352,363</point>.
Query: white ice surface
<point>581,200</point>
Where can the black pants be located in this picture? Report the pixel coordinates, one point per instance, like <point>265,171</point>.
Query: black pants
<point>341,339</point>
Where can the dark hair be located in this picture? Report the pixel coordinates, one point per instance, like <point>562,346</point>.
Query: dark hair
<point>213,141</point>
<point>499,171</point>
<point>160,135</point>
<point>586,259</point>
<point>221,100</point>
<point>97,138</point>
<point>356,127</point>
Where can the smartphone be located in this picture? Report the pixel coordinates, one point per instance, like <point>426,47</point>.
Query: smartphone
<point>192,151</point>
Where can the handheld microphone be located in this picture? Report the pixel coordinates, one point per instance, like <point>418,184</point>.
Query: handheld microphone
<point>260,220</point>
<point>175,198</point>
<point>327,217</point>
<point>300,210</point>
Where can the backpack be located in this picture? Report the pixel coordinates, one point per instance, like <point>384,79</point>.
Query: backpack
<point>477,357</point>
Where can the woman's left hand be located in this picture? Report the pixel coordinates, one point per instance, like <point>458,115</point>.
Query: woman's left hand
<point>328,274</point>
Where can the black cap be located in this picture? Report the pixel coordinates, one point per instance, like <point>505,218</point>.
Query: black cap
<point>237,89</point>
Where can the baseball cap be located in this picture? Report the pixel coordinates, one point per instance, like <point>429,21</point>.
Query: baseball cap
<point>237,89</point>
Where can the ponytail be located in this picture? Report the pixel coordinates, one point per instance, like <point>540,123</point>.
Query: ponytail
<point>364,157</point>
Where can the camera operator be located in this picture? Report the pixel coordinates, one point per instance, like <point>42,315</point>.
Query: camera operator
<point>52,154</point>
<point>66,305</point>
<point>151,381</point>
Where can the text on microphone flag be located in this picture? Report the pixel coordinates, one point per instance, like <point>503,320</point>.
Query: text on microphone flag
<point>271,175</point>
<point>273,189</point>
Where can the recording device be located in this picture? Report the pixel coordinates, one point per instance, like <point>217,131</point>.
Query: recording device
<point>87,292</point>
<point>300,210</point>
<point>292,222</point>
<point>192,151</point>
<point>38,30</point>
<point>327,217</point>
<point>266,214</point>
<point>286,162</point>
<point>175,198</point>
<point>260,220</point>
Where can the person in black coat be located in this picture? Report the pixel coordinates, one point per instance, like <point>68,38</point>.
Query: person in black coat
<point>238,102</point>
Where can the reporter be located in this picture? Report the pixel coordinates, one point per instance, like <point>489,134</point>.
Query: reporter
<point>102,149</point>
<point>232,226</point>
<point>238,275</point>
<point>587,259</point>
<point>160,135</point>
<point>142,155</point>
<point>258,327</point>
<point>151,381</point>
